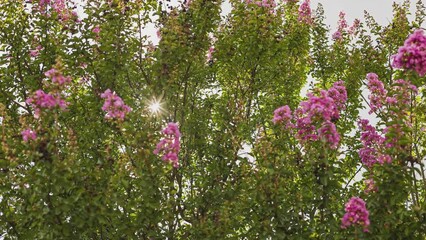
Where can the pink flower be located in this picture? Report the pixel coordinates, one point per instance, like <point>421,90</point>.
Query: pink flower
<point>59,5</point>
<point>57,77</point>
<point>315,117</point>
<point>372,145</point>
<point>282,115</point>
<point>355,27</point>
<point>342,24</point>
<point>370,185</point>
<point>378,92</point>
<point>329,134</point>
<point>114,106</point>
<point>96,29</point>
<point>35,52</point>
<point>337,36</point>
<point>28,135</point>
<point>263,3</point>
<point>40,100</point>
<point>412,56</point>
<point>305,12</point>
<point>356,214</point>
<point>169,146</point>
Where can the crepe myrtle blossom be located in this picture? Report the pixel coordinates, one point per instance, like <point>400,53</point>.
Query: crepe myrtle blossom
<point>400,94</point>
<point>356,214</point>
<point>59,6</point>
<point>412,55</point>
<point>263,3</point>
<point>373,145</point>
<point>35,52</point>
<point>57,77</point>
<point>96,29</point>
<point>28,135</point>
<point>41,100</point>
<point>343,27</point>
<point>305,12</point>
<point>378,92</point>
<point>282,115</point>
<point>169,146</point>
<point>314,119</point>
<point>370,185</point>
<point>114,106</point>
<point>353,30</point>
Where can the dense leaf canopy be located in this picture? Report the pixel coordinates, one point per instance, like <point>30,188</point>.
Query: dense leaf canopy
<point>105,135</point>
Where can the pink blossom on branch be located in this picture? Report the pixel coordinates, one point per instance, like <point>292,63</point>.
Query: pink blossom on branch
<point>35,52</point>
<point>96,29</point>
<point>378,93</point>
<point>57,77</point>
<point>315,117</point>
<point>114,106</point>
<point>305,12</point>
<point>28,135</point>
<point>41,100</point>
<point>370,185</point>
<point>373,145</point>
<point>412,56</point>
<point>169,146</point>
<point>356,214</point>
<point>263,3</point>
<point>353,30</point>
<point>282,115</point>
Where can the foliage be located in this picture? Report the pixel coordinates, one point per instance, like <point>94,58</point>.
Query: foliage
<point>85,100</point>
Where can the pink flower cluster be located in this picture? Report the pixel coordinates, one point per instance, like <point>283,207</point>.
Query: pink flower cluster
<point>342,26</point>
<point>373,145</point>
<point>96,30</point>
<point>169,146</point>
<point>41,100</point>
<point>403,92</point>
<point>356,214</point>
<point>378,92</point>
<point>57,77</point>
<point>412,55</point>
<point>35,52</point>
<point>370,185</point>
<point>282,114</point>
<point>114,106</point>
<point>394,104</point>
<point>28,135</point>
<point>60,7</point>
<point>399,94</point>
<point>355,26</point>
<point>305,12</point>
<point>315,117</point>
<point>263,3</point>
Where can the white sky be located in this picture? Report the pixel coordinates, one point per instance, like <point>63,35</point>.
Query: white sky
<point>381,10</point>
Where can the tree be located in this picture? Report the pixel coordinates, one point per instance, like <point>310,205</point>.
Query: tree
<point>208,134</point>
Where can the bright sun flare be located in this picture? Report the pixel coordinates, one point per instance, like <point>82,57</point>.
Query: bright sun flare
<point>154,107</point>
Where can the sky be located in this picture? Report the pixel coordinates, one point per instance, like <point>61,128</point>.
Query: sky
<point>381,10</point>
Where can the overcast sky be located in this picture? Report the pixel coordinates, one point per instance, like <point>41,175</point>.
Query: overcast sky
<point>381,10</point>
